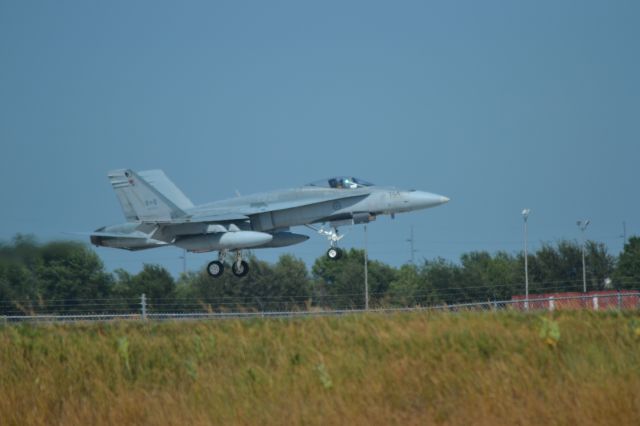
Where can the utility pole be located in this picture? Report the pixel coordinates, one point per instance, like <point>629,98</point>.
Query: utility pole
<point>525,215</point>
<point>582,224</point>
<point>412,247</point>
<point>366,271</point>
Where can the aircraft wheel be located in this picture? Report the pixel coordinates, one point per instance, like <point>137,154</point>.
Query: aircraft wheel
<point>334,253</point>
<point>240,270</point>
<point>215,268</point>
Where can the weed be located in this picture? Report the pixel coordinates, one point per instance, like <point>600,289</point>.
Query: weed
<point>550,332</point>
<point>324,377</point>
<point>123,351</point>
<point>403,368</point>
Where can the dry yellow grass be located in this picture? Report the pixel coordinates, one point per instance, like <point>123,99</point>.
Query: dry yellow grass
<point>410,368</point>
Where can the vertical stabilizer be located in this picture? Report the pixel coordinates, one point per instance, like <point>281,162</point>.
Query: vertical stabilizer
<point>141,201</point>
<point>166,187</point>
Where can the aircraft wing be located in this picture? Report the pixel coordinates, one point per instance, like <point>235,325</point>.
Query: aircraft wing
<point>212,218</point>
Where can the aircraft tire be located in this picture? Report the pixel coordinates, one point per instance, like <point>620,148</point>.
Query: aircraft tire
<point>215,269</point>
<point>334,253</point>
<point>240,271</point>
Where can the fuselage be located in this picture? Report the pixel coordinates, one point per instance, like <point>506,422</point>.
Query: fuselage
<point>308,205</point>
<point>159,214</point>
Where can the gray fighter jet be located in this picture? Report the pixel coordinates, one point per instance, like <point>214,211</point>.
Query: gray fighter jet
<point>159,214</point>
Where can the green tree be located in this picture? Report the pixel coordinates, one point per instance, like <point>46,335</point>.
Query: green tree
<point>411,287</point>
<point>340,284</point>
<point>23,249</point>
<point>484,277</point>
<point>292,283</point>
<point>556,269</point>
<point>55,277</point>
<point>19,285</point>
<point>70,275</point>
<point>506,276</point>
<point>445,279</point>
<point>627,271</point>
<point>122,287</point>
<point>560,269</point>
<point>18,289</point>
<point>266,288</point>
<point>155,282</point>
<point>600,265</point>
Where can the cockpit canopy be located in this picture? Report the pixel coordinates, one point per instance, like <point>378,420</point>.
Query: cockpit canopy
<point>341,182</point>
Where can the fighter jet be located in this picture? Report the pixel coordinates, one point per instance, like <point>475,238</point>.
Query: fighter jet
<point>159,214</point>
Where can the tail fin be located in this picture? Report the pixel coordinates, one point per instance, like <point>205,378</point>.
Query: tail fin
<point>166,187</point>
<point>154,200</point>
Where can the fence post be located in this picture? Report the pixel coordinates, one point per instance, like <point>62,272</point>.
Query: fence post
<point>595,303</point>
<point>552,303</point>
<point>143,305</point>
<point>619,300</point>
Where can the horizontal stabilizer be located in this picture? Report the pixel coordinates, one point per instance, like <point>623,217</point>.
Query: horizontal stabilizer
<point>132,241</point>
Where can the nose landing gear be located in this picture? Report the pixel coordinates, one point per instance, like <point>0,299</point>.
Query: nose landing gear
<point>334,252</point>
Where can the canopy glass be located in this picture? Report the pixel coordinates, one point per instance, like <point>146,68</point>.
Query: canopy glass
<point>341,182</point>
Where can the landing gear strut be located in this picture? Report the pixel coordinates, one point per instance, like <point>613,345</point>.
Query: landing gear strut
<point>334,252</point>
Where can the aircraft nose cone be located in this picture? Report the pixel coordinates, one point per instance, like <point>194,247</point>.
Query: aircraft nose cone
<point>423,200</point>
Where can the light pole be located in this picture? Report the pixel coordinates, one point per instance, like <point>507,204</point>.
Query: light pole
<point>525,216</point>
<point>582,224</point>
<point>184,261</point>
<point>366,271</point>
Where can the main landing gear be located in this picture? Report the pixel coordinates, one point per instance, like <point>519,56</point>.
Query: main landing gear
<point>215,268</point>
<point>239,267</point>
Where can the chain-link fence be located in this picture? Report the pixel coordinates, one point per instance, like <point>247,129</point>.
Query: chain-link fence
<point>280,306</point>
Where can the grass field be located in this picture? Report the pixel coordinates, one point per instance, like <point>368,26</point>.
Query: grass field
<point>411,368</point>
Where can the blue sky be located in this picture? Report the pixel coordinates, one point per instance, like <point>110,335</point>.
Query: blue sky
<point>497,105</point>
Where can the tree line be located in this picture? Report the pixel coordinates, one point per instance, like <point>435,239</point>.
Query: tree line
<point>68,277</point>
